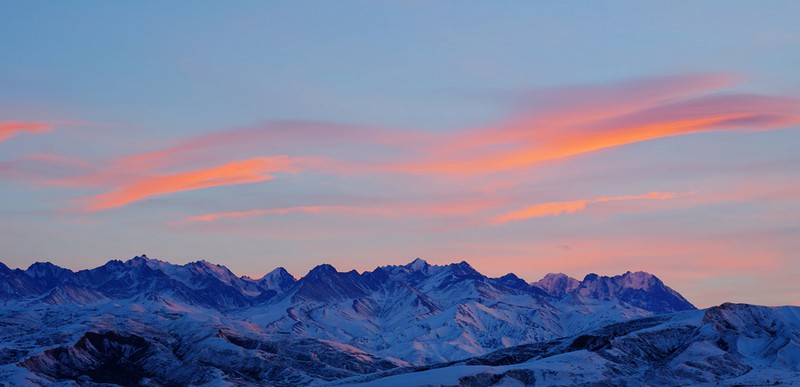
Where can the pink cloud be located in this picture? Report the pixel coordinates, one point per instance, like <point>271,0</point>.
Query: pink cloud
<point>606,118</point>
<point>237,172</point>
<point>558,107</point>
<point>570,207</point>
<point>10,129</point>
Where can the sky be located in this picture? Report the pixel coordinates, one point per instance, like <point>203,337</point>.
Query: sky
<point>524,137</point>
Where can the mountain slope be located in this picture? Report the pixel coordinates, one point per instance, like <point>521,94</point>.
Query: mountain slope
<point>637,289</point>
<point>729,344</point>
<point>422,313</point>
<point>124,318</point>
<point>196,283</point>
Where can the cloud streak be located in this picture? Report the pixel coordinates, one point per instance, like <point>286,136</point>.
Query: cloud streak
<point>395,209</point>
<point>570,207</point>
<point>274,211</point>
<point>602,119</point>
<point>10,129</point>
<point>238,172</point>
<point>298,136</point>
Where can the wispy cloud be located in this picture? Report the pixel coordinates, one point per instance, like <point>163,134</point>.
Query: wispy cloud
<point>273,211</point>
<point>604,118</point>
<point>237,172</point>
<point>395,209</point>
<point>10,129</point>
<point>301,137</point>
<point>571,207</point>
<point>288,138</point>
<point>545,125</point>
<point>538,110</point>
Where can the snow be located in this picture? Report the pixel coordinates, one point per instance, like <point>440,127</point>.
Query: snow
<point>279,280</point>
<point>444,376</point>
<point>700,361</point>
<point>637,280</point>
<point>557,284</point>
<point>416,314</point>
<point>417,265</point>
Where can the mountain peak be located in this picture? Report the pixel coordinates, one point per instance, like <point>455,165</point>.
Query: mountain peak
<point>511,280</point>
<point>321,271</point>
<point>552,276</point>
<point>638,280</point>
<point>325,267</point>
<point>279,280</point>
<point>639,289</point>
<point>220,272</point>
<point>205,264</point>
<point>629,280</point>
<point>138,259</point>
<point>557,284</point>
<point>279,271</point>
<point>418,264</point>
<point>45,270</point>
<point>464,270</point>
<point>591,277</point>
<point>510,277</point>
<point>325,284</point>
<point>142,260</point>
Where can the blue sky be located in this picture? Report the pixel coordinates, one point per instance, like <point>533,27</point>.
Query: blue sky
<point>370,133</point>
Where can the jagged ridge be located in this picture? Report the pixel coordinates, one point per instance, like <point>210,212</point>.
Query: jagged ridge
<point>393,316</point>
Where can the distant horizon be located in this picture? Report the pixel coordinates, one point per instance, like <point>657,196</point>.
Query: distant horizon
<point>289,271</point>
<point>488,273</point>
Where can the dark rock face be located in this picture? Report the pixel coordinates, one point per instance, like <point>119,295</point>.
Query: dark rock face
<point>98,357</point>
<point>525,377</point>
<point>131,360</point>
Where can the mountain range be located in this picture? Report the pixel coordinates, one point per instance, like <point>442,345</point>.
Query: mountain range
<point>149,322</point>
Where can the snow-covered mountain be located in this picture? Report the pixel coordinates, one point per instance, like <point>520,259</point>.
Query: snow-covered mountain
<point>421,313</point>
<point>731,344</point>
<point>147,321</point>
<point>639,289</point>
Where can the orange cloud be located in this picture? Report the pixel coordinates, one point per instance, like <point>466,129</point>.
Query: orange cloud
<point>570,207</point>
<point>12,128</point>
<point>595,123</point>
<point>238,172</point>
<point>558,145</point>
<point>568,106</point>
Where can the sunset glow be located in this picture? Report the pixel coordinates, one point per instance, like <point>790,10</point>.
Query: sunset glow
<point>523,138</point>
